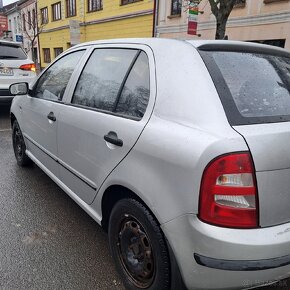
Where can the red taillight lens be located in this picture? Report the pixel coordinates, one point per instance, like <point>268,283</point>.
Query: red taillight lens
<point>228,194</point>
<point>29,66</point>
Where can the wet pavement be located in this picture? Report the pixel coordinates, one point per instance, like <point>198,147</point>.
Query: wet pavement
<point>47,241</point>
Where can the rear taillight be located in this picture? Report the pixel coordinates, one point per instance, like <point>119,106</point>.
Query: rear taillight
<point>29,66</point>
<point>228,194</point>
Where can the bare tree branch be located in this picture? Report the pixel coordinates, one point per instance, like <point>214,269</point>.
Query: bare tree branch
<point>214,7</point>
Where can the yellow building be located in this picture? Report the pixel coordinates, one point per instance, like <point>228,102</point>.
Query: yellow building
<point>68,22</point>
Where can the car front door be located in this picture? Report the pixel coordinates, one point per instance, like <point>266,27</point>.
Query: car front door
<point>110,106</point>
<point>40,110</point>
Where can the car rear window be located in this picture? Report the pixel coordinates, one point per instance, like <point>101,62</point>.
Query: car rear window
<point>253,87</point>
<point>11,52</point>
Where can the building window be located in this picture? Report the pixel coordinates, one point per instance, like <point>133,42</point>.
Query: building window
<point>44,15</point>
<point>56,11</point>
<point>124,2</point>
<point>46,55</point>
<point>24,22</point>
<point>15,25</point>
<point>29,20</point>
<point>18,24</point>
<point>95,5</point>
<point>176,7</point>
<point>240,3</point>
<point>33,19</point>
<point>71,8</point>
<point>57,51</point>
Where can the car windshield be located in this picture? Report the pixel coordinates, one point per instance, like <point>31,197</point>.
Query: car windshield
<point>11,52</point>
<point>253,86</point>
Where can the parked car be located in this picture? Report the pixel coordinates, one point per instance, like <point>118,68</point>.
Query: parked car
<point>180,149</point>
<point>15,66</point>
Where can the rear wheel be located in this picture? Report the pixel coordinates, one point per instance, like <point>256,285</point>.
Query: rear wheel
<point>19,146</point>
<point>138,247</point>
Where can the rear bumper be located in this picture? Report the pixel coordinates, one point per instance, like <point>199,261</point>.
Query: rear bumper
<point>241,265</point>
<point>211,257</point>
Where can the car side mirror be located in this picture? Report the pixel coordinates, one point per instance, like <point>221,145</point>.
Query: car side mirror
<point>19,89</point>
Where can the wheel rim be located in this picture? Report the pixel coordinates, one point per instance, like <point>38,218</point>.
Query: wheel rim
<point>135,252</point>
<point>18,143</point>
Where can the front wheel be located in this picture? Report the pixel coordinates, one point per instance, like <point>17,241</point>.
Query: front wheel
<point>19,146</point>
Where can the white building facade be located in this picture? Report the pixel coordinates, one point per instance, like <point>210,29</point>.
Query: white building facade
<point>14,24</point>
<point>29,24</point>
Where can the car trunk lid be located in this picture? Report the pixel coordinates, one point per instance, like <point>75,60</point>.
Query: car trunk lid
<point>269,146</point>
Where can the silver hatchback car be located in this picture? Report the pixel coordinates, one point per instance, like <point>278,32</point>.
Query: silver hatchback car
<point>179,149</point>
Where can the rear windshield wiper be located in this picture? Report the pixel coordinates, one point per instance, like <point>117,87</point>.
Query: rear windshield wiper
<point>8,57</point>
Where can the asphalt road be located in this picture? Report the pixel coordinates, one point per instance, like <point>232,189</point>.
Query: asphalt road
<point>46,240</point>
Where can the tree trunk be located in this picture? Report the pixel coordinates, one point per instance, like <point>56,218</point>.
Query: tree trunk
<point>32,51</point>
<point>220,28</point>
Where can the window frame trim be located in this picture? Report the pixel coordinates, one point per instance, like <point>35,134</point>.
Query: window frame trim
<point>52,6</point>
<point>171,10</point>
<point>44,58</point>
<point>41,13</point>
<point>64,98</point>
<point>93,10</point>
<point>127,45</point>
<point>138,50</point>
<point>128,3</point>
<point>105,112</point>
<point>67,10</point>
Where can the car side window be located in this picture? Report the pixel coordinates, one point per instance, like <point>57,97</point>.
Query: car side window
<point>102,78</point>
<point>135,95</point>
<point>53,82</point>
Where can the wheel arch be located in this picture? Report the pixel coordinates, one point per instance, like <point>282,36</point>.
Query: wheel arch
<point>115,193</point>
<point>111,196</point>
<point>12,119</point>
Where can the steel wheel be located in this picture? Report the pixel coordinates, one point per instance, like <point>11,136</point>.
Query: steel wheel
<point>138,247</point>
<point>135,252</point>
<point>19,146</point>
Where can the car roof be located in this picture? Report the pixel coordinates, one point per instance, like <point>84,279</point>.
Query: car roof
<point>10,42</point>
<point>226,45</point>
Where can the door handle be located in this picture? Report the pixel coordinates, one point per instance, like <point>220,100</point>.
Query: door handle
<point>51,117</point>
<point>112,137</point>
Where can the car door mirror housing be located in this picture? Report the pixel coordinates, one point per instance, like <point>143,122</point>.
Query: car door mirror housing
<point>19,89</point>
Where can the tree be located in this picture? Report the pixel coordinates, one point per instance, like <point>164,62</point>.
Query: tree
<point>221,9</point>
<point>32,27</point>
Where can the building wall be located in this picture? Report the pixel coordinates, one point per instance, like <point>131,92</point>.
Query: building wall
<point>3,24</point>
<point>256,21</point>
<point>27,33</point>
<point>113,21</point>
<point>14,24</point>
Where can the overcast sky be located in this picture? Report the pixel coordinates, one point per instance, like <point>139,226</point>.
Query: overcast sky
<point>5,2</point>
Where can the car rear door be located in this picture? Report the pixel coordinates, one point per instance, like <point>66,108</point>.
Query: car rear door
<point>110,105</point>
<point>39,111</point>
<point>254,86</point>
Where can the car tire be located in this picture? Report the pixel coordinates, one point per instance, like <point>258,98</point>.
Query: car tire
<point>138,247</point>
<point>19,146</point>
